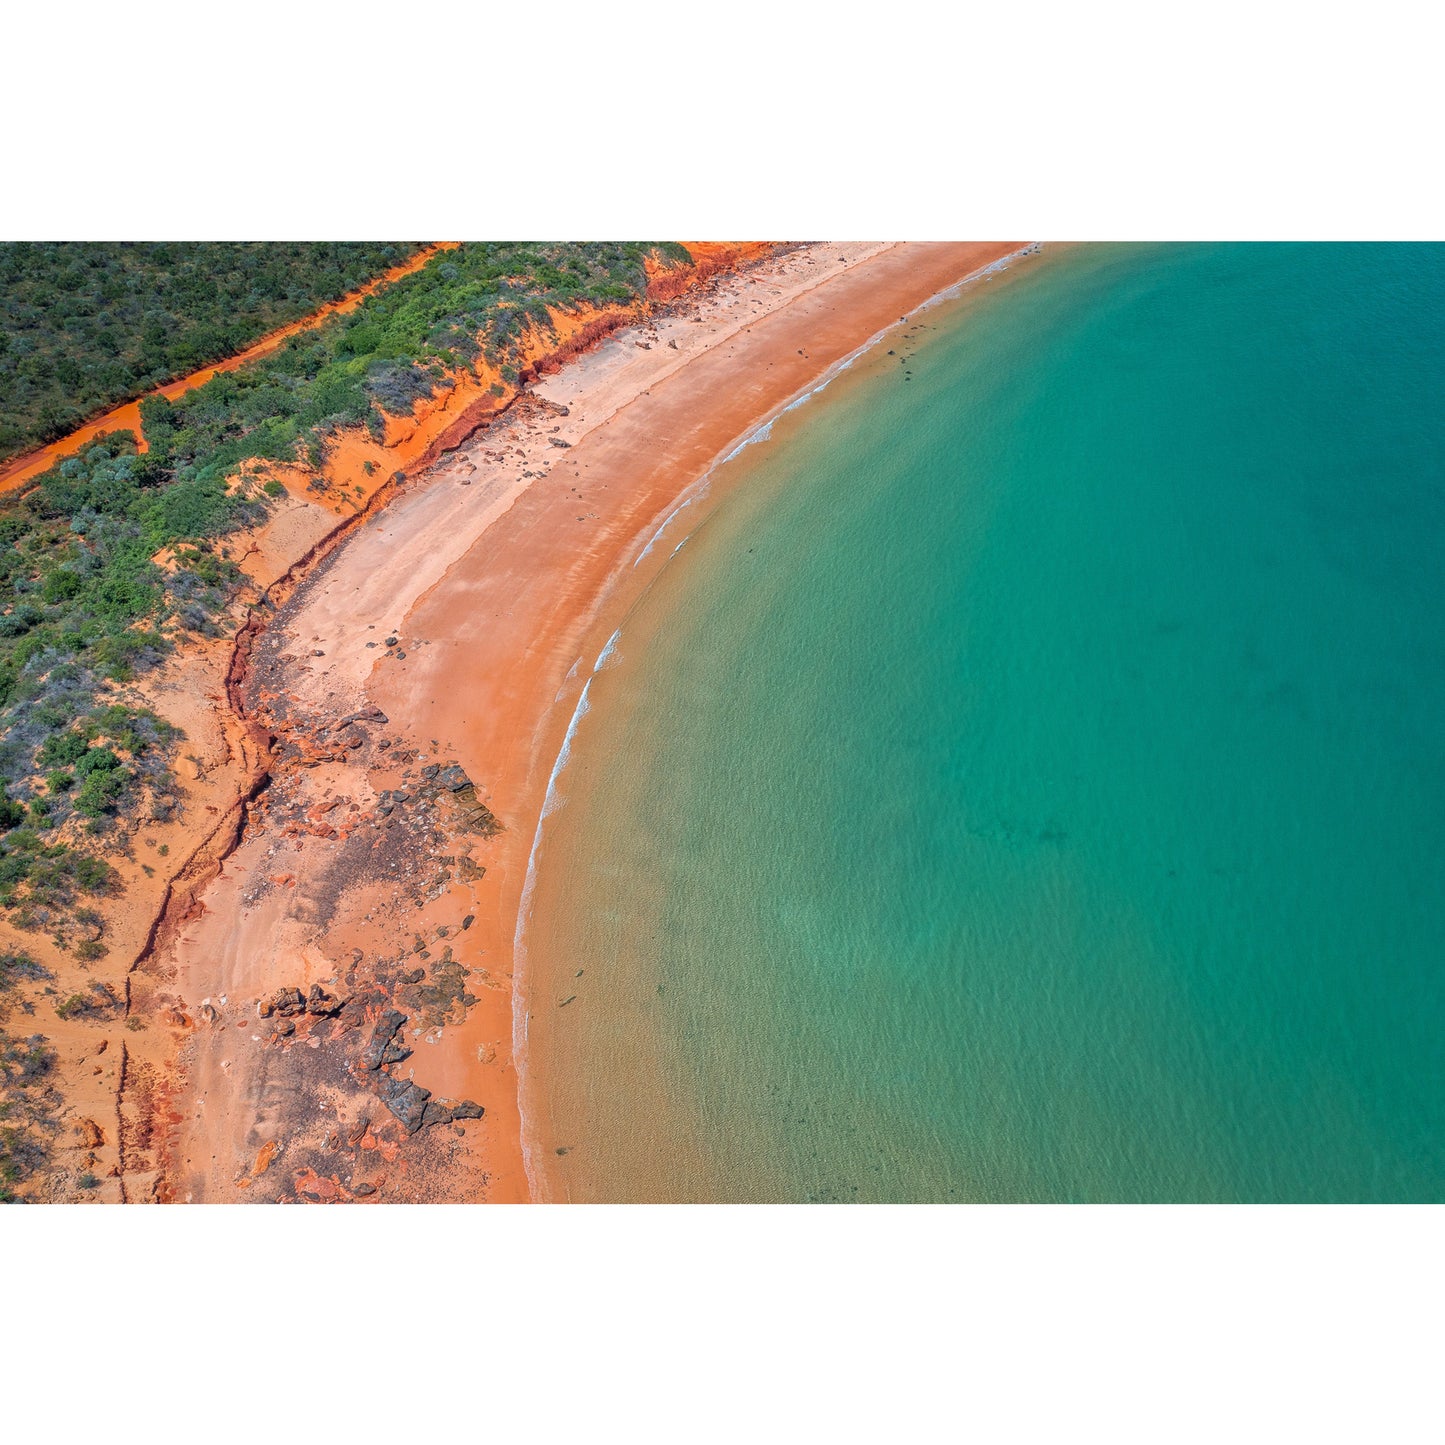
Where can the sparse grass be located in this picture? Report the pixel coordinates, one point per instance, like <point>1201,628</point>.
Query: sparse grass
<point>27,1110</point>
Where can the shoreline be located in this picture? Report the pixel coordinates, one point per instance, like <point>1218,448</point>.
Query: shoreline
<point>501,587</point>
<point>700,489</point>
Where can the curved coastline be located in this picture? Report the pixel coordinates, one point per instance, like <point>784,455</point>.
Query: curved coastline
<point>497,570</point>
<point>697,491</point>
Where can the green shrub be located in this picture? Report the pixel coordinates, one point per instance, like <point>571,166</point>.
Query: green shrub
<point>101,792</point>
<point>105,321</point>
<point>63,749</point>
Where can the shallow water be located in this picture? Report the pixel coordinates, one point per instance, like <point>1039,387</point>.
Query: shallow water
<point>1026,783</point>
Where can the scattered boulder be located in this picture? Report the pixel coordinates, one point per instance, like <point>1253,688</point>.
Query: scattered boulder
<point>477,818</point>
<point>324,1004</point>
<point>406,1100</point>
<point>371,715</point>
<point>381,1037</point>
<point>285,1001</point>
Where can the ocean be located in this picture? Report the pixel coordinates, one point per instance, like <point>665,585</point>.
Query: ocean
<point>1025,782</point>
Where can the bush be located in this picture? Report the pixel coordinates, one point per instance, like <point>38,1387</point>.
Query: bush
<point>12,813</point>
<point>101,792</point>
<point>64,749</point>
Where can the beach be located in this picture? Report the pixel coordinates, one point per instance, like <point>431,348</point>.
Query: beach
<point>417,688</point>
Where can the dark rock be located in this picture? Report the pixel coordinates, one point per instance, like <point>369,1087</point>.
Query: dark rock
<point>467,922</point>
<point>327,1005</point>
<point>467,1110</point>
<point>558,442</point>
<point>453,779</point>
<point>406,1100</point>
<point>287,1001</point>
<point>391,641</point>
<point>363,1191</point>
<point>381,1036</point>
<point>414,975</point>
<point>480,819</point>
<point>435,1113</point>
<point>431,770</point>
<point>400,653</point>
<point>395,1052</point>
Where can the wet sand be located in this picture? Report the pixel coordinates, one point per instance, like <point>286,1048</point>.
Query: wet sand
<point>497,573</point>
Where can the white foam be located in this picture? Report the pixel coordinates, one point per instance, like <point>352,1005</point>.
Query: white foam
<point>607,652</point>
<point>550,804</point>
<point>692,495</point>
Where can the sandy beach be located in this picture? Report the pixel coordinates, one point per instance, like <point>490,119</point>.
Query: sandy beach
<point>416,689</point>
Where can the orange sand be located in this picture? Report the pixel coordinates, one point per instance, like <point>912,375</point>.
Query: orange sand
<point>117,1069</point>
<point>504,565</point>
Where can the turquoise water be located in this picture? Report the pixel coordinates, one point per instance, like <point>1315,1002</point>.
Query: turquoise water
<point>1029,782</point>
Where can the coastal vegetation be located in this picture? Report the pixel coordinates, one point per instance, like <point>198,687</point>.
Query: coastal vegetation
<point>116,554</point>
<point>87,325</point>
<point>27,1108</point>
